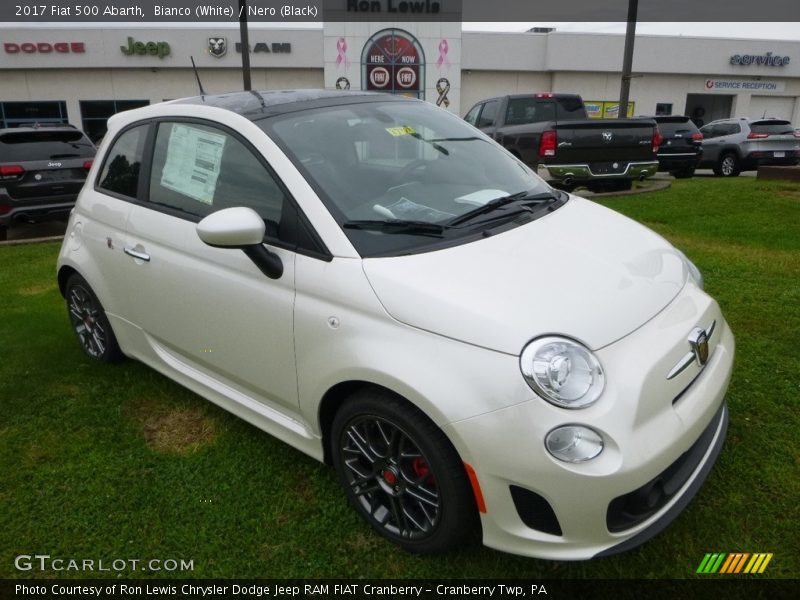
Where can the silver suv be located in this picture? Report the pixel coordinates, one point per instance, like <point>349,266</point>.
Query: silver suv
<point>734,145</point>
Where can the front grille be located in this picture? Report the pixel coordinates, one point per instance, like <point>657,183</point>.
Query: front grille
<point>639,505</point>
<point>535,511</point>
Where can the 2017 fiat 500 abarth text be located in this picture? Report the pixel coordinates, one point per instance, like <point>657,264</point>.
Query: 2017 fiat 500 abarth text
<point>380,285</point>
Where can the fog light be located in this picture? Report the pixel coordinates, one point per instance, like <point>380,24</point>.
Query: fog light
<point>574,443</point>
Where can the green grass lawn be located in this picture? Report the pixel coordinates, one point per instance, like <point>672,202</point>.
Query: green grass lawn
<point>115,461</point>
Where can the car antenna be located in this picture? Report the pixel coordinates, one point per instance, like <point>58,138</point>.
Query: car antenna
<point>197,76</point>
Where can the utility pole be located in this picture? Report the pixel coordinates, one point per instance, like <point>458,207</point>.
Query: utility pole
<point>627,59</point>
<point>245,45</point>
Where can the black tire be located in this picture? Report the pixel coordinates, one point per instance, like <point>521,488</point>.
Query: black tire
<point>728,165</point>
<point>563,186</point>
<point>3,233</point>
<point>401,473</point>
<point>683,173</point>
<point>89,321</point>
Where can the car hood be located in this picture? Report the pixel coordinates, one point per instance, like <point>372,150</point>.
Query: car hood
<point>582,271</point>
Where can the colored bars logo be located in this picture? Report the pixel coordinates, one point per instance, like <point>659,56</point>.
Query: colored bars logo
<point>736,562</point>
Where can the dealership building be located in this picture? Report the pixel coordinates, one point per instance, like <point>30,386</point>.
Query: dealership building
<point>83,75</point>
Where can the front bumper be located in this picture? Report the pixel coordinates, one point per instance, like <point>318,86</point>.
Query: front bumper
<point>585,172</point>
<point>658,433</point>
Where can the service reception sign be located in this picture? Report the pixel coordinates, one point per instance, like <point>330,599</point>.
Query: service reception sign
<point>743,85</point>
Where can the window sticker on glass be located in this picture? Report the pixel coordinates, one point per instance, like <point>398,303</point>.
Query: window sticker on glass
<point>193,160</point>
<point>398,131</point>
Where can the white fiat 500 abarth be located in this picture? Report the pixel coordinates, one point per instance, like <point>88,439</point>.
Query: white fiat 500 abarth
<point>380,285</point>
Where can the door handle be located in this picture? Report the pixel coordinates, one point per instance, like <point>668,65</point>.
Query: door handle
<point>136,253</point>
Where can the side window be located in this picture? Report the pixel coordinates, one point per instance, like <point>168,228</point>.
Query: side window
<point>199,169</point>
<point>488,114</point>
<point>120,172</point>
<point>734,128</point>
<point>472,115</point>
<point>709,131</point>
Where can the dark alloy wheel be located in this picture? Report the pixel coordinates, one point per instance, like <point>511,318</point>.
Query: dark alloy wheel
<point>89,321</point>
<point>401,473</point>
<point>728,166</point>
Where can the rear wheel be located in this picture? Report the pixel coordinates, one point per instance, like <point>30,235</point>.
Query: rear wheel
<point>401,473</point>
<point>89,321</point>
<point>728,166</point>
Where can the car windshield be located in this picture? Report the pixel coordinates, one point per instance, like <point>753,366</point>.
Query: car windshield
<point>389,170</point>
<point>676,126</point>
<point>772,127</point>
<point>22,146</point>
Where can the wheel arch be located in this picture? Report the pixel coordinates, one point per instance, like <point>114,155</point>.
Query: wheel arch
<point>64,273</point>
<point>335,397</point>
<point>732,149</point>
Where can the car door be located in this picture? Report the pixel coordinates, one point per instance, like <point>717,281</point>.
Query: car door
<point>711,142</point>
<point>488,117</point>
<point>99,221</point>
<point>208,313</point>
<point>472,116</point>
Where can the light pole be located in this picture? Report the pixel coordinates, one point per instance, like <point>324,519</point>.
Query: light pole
<point>245,45</point>
<point>627,59</point>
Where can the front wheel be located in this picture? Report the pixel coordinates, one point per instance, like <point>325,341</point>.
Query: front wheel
<point>401,473</point>
<point>89,321</point>
<point>728,166</point>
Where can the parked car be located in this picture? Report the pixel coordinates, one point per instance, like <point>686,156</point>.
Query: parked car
<point>42,169</point>
<point>681,145</point>
<point>373,281</point>
<point>553,131</point>
<point>731,146</point>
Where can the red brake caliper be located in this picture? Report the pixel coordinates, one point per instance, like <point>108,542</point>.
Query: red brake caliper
<point>421,469</point>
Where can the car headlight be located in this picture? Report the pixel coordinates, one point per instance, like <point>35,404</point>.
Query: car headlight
<point>562,371</point>
<point>694,272</point>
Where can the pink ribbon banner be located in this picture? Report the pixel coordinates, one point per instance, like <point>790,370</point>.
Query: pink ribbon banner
<point>341,51</point>
<point>443,49</point>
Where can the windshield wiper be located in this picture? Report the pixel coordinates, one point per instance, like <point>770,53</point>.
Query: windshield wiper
<point>433,143</point>
<point>397,226</point>
<point>525,199</point>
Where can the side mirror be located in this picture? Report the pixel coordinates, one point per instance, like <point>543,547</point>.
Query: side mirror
<point>241,228</point>
<point>232,228</point>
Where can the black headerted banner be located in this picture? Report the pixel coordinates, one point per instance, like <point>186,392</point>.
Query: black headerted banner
<point>289,11</point>
<point>397,589</point>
